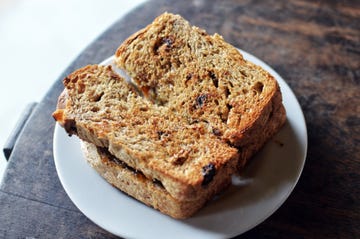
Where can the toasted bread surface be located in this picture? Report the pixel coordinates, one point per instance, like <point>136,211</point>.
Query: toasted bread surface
<point>202,78</point>
<point>103,109</point>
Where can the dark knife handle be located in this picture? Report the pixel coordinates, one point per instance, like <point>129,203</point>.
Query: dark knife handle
<point>11,140</point>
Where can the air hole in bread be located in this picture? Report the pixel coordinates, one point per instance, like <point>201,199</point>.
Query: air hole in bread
<point>97,98</point>
<point>227,92</point>
<point>258,87</point>
<point>139,47</point>
<point>214,79</point>
<point>95,109</point>
<point>158,183</point>
<point>162,134</point>
<point>188,78</point>
<point>193,121</point>
<point>229,107</point>
<point>143,108</point>
<point>243,73</point>
<point>223,117</point>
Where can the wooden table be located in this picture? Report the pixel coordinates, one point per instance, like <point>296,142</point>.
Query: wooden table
<point>313,45</point>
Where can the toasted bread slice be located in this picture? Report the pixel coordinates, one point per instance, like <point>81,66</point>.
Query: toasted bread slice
<point>204,79</point>
<point>101,108</point>
<point>135,184</point>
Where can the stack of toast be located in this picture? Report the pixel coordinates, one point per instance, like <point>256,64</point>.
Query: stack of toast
<point>193,114</point>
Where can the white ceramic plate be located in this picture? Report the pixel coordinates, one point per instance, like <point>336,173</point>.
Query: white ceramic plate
<point>267,182</point>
